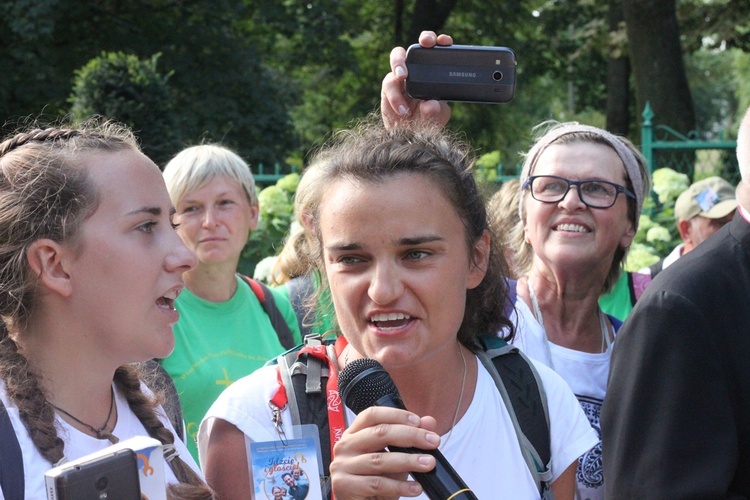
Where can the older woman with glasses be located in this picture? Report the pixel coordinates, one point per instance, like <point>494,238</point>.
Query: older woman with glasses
<point>581,196</point>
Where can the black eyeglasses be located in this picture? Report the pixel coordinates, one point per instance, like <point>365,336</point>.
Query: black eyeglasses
<point>594,194</point>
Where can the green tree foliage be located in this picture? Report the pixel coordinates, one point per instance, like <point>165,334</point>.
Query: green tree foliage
<point>739,70</point>
<point>716,24</point>
<point>122,87</point>
<point>271,78</point>
<point>715,91</point>
<point>336,53</point>
<point>333,55</point>
<point>29,60</point>
<point>222,89</point>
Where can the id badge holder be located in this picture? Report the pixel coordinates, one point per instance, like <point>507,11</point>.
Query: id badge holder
<point>287,468</point>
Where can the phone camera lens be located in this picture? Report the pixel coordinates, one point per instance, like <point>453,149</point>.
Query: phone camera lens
<point>497,76</point>
<point>102,483</point>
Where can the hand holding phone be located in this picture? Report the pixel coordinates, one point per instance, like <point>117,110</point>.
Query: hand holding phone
<point>464,73</point>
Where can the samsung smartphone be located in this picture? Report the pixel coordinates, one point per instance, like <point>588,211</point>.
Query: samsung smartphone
<point>464,73</point>
<point>110,477</point>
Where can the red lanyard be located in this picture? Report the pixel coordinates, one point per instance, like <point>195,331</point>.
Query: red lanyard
<point>336,421</point>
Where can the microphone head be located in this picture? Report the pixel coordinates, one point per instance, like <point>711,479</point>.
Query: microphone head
<point>363,382</point>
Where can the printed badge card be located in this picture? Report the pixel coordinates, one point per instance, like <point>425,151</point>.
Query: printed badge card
<point>286,471</point>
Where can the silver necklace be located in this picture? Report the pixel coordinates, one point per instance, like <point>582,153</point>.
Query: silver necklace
<point>606,340</point>
<point>460,398</point>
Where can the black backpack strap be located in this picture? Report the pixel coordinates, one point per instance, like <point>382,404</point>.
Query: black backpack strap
<point>517,381</point>
<point>159,380</point>
<point>268,303</point>
<point>300,290</point>
<point>304,378</point>
<point>11,459</point>
<point>524,396</point>
<point>631,288</point>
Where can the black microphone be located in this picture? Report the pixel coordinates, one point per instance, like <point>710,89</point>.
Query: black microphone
<point>364,383</point>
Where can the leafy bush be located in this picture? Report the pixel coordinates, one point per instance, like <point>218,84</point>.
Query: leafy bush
<point>668,184</point>
<point>640,256</point>
<point>276,215</point>
<point>122,87</point>
<point>657,229</point>
<point>486,167</point>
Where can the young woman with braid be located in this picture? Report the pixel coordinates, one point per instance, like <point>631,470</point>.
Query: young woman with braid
<point>90,267</point>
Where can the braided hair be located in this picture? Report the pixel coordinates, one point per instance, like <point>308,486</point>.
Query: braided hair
<point>46,192</point>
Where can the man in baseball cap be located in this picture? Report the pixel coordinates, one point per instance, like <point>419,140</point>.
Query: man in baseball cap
<point>701,210</point>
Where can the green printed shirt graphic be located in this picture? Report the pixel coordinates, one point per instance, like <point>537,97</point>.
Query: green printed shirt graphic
<point>218,343</point>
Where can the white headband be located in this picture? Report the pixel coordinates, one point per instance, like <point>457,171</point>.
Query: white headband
<point>626,155</point>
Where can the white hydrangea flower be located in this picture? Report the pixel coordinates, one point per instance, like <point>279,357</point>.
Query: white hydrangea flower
<point>658,233</point>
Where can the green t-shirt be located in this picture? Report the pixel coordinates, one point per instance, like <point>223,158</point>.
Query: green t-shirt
<point>618,302</point>
<point>217,343</point>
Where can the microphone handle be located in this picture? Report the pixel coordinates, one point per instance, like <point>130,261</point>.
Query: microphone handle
<point>442,482</point>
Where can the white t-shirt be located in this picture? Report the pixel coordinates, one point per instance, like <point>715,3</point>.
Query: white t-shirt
<point>586,374</point>
<point>483,447</point>
<point>78,444</point>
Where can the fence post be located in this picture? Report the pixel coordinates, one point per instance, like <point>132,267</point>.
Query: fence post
<point>647,137</point>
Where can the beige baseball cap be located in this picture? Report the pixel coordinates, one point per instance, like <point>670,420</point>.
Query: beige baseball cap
<point>712,197</point>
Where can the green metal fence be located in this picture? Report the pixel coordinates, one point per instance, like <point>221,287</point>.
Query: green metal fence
<point>267,176</point>
<point>664,147</point>
<point>661,145</point>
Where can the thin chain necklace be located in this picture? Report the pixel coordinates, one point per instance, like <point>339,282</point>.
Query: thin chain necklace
<point>606,340</point>
<point>460,397</point>
<point>101,432</point>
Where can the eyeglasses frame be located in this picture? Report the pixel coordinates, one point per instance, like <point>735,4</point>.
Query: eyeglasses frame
<point>618,189</point>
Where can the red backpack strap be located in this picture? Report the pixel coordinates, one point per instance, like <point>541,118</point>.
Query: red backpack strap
<point>268,303</point>
<point>256,288</point>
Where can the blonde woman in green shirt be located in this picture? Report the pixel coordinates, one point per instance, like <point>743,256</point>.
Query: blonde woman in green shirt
<point>223,332</point>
